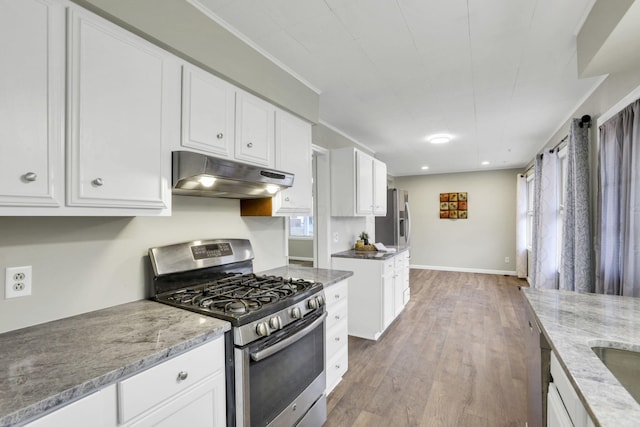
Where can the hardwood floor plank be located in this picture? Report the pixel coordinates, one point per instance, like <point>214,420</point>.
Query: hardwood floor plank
<point>454,357</point>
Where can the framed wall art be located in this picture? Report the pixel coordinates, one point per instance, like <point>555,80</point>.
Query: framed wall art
<point>454,205</point>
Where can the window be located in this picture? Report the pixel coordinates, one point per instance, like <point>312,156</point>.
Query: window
<point>530,195</point>
<point>562,193</point>
<point>301,226</point>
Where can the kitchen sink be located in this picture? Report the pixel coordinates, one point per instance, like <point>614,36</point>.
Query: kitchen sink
<point>624,365</point>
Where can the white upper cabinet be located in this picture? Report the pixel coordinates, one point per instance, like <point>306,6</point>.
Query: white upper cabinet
<point>358,184</point>
<point>379,188</point>
<point>208,112</point>
<point>31,103</point>
<point>255,120</point>
<point>293,154</point>
<point>119,115</point>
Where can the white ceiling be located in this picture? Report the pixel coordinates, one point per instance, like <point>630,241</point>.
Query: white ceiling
<point>499,75</point>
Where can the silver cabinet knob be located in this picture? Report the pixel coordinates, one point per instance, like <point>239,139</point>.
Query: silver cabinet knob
<point>30,176</point>
<point>98,182</point>
<point>220,136</point>
<point>182,375</point>
<point>250,144</point>
<point>286,199</point>
<point>337,296</point>
<point>337,338</point>
<point>337,317</point>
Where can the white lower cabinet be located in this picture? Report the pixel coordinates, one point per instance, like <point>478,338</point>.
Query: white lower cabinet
<point>169,391</point>
<point>336,347</point>
<point>564,408</point>
<point>187,390</point>
<point>97,409</point>
<point>378,292</point>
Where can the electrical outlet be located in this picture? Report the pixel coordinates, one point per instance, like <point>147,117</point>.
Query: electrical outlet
<point>336,237</point>
<point>506,260</point>
<point>17,282</point>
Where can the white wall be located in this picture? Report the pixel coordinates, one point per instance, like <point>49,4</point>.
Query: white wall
<point>83,264</point>
<point>479,243</point>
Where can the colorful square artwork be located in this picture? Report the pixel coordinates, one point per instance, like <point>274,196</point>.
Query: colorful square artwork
<point>454,205</point>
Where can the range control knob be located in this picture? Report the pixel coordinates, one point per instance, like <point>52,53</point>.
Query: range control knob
<point>262,329</point>
<point>296,313</point>
<point>320,300</point>
<point>275,322</point>
<point>312,304</point>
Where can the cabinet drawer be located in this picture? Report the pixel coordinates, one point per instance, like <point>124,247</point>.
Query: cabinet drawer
<point>336,293</point>
<point>567,393</point>
<point>336,368</point>
<point>337,313</point>
<point>148,388</point>
<point>389,266</point>
<point>336,338</point>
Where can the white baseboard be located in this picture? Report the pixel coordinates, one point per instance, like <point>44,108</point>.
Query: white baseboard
<point>464,270</point>
<point>301,258</point>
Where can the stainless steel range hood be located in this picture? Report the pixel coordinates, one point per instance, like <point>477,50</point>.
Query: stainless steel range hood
<point>197,174</point>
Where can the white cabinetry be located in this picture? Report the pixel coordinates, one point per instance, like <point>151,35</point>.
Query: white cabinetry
<point>377,292</point>
<point>358,184</point>
<point>208,112</point>
<point>564,407</point>
<point>97,409</point>
<point>188,389</point>
<point>336,349</point>
<point>293,154</point>
<point>31,103</point>
<point>122,108</point>
<point>118,116</point>
<point>255,120</point>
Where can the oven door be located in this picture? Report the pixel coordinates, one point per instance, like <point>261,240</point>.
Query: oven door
<point>280,380</point>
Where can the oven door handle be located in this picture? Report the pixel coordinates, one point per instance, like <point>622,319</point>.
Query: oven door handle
<point>280,345</point>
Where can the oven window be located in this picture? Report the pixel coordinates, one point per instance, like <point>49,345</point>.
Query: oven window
<point>278,380</point>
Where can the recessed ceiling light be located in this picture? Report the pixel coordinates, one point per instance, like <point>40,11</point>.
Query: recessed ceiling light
<point>485,163</point>
<point>440,138</point>
<point>424,168</point>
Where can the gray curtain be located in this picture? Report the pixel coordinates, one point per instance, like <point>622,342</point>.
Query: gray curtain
<point>618,225</point>
<point>545,252</point>
<point>576,242</point>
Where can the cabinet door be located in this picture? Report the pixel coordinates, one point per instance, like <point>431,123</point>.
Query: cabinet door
<point>379,188</point>
<point>97,409</point>
<point>31,103</point>
<point>364,183</point>
<point>388,311</point>
<point>208,111</point>
<point>293,154</point>
<point>203,405</point>
<point>254,130</point>
<point>398,292</point>
<point>118,116</point>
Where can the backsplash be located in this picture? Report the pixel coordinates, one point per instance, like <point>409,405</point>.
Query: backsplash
<point>82,264</point>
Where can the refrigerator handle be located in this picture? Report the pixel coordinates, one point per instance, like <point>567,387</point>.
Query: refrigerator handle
<point>407,234</point>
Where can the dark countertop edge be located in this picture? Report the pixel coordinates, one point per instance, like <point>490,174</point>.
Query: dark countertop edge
<point>369,255</point>
<point>70,395</point>
<point>325,276</point>
<point>527,292</point>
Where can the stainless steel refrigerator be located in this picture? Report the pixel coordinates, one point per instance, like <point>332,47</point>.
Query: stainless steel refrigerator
<point>395,228</point>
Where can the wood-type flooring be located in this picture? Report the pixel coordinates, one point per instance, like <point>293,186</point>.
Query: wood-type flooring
<point>453,357</point>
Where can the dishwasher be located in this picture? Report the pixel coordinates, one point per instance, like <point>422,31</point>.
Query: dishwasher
<point>538,354</point>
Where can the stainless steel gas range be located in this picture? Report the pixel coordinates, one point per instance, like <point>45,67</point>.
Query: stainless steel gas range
<point>275,350</point>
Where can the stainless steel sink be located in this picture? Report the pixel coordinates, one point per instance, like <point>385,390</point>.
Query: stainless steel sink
<point>624,365</point>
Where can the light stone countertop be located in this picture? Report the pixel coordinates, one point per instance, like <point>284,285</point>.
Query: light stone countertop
<point>373,255</point>
<point>324,276</point>
<point>49,365</point>
<point>575,322</point>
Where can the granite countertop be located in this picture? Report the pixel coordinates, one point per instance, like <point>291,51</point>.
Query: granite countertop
<point>375,255</point>
<point>324,276</point>
<point>54,363</point>
<point>573,323</point>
